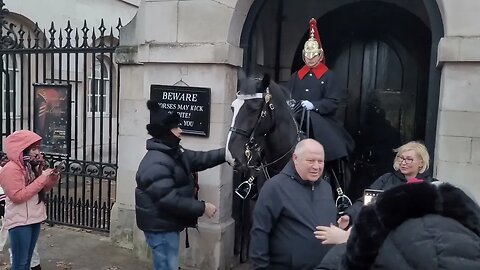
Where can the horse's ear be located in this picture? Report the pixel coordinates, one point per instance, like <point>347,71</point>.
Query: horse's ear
<point>266,81</point>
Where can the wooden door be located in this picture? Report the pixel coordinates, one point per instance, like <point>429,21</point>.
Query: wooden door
<point>383,82</point>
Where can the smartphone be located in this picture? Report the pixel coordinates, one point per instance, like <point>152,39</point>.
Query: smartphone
<point>370,195</point>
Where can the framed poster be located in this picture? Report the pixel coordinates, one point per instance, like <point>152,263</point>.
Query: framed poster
<point>52,117</point>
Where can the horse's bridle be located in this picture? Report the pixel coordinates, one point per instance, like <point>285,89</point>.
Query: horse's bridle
<point>252,147</point>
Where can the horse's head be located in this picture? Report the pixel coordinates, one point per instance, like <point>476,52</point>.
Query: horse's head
<point>258,109</point>
<point>263,130</point>
<point>252,120</point>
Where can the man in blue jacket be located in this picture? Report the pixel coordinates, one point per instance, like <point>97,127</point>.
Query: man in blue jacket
<point>288,209</point>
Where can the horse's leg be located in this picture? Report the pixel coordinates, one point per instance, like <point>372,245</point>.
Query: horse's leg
<point>340,169</point>
<point>346,174</point>
<point>331,176</point>
<point>248,206</point>
<point>238,214</point>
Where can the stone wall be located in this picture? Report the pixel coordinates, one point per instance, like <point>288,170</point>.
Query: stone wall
<point>458,135</point>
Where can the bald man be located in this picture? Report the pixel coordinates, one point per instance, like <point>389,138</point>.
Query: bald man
<point>288,209</point>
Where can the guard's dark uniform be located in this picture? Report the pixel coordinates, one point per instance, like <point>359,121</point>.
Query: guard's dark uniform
<point>322,91</point>
<point>315,84</point>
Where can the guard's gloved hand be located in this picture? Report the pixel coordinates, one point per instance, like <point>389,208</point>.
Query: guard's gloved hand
<point>307,105</point>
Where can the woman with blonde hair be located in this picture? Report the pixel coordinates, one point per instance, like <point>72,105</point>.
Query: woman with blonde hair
<point>411,164</point>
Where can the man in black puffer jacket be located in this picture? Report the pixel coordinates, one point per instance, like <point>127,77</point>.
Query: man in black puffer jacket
<point>413,227</point>
<point>165,200</point>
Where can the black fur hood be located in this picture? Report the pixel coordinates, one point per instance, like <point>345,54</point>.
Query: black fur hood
<point>416,226</point>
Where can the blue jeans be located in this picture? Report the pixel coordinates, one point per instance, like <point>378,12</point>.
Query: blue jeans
<point>164,247</point>
<point>22,241</point>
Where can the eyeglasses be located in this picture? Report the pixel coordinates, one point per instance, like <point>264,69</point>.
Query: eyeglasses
<point>402,159</point>
<point>245,188</point>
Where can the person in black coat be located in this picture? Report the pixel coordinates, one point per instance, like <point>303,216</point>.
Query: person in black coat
<point>412,227</point>
<point>411,164</point>
<point>315,86</point>
<point>165,196</point>
<point>289,207</point>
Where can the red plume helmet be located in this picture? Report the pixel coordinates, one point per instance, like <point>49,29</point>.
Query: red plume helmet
<point>313,45</point>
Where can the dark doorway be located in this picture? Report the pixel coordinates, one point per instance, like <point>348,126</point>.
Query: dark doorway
<point>381,54</point>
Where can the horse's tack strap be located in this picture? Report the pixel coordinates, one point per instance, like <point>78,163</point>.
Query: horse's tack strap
<point>246,97</point>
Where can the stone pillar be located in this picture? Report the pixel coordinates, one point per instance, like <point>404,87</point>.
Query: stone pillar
<point>457,152</point>
<point>177,43</point>
<point>458,136</point>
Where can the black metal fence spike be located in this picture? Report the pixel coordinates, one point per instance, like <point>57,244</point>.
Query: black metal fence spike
<point>44,39</point>
<point>110,37</point>
<point>60,39</point>
<point>37,33</point>
<point>68,38</point>
<point>102,30</point>
<point>119,24</point>
<point>77,38</point>
<point>21,34</point>
<point>94,38</point>
<point>29,40</point>
<point>102,26</point>
<point>69,28</point>
<point>85,34</point>
<point>52,32</point>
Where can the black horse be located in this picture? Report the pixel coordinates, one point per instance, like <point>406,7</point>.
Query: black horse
<point>262,137</point>
<point>263,132</point>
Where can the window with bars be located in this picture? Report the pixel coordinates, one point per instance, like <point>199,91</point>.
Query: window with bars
<point>98,96</point>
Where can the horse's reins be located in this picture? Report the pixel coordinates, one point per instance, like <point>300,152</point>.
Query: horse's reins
<point>338,188</point>
<point>263,166</point>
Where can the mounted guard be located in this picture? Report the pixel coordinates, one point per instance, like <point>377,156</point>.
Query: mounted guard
<point>315,89</point>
